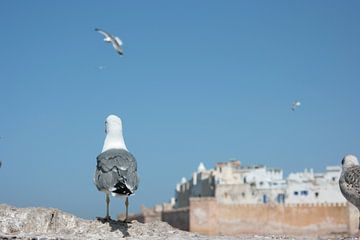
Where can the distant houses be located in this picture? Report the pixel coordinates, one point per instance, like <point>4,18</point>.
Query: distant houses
<point>232,183</point>
<point>232,199</point>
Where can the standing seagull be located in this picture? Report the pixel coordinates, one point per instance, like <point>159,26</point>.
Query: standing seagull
<point>350,180</point>
<point>116,169</point>
<point>115,41</point>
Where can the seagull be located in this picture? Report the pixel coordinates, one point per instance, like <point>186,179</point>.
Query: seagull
<point>116,169</point>
<point>349,180</point>
<point>295,105</point>
<point>115,41</point>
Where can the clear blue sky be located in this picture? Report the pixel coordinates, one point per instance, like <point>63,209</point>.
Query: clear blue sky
<point>200,81</point>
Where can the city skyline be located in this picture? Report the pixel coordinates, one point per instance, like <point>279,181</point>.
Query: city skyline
<point>203,81</point>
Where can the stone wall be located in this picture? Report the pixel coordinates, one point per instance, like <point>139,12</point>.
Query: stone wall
<point>209,217</point>
<point>178,218</point>
<point>204,216</point>
<point>147,215</point>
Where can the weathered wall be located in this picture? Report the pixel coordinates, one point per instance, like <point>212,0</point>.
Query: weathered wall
<point>178,218</point>
<point>203,216</point>
<point>147,215</point>
<point>207,216</point>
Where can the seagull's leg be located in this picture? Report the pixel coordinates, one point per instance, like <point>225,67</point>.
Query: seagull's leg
<point>126,209</point>
<point>107,217</point>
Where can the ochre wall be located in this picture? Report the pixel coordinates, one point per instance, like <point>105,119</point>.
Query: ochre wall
<point>209,217</point>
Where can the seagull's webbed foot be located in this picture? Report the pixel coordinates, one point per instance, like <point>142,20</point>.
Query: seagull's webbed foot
<point>104,219</point>
<point>126,220</point>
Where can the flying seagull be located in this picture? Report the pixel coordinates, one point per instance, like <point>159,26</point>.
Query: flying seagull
<point>115,41</point>
<point>349,180</point>
<point>295,105</point>
<point>116,169</point>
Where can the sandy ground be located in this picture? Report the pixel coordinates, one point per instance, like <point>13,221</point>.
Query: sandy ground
<point>49,223</point>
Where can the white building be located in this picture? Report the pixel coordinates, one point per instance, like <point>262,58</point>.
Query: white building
<point>249,185</point>
<point>232,183</point>
<point>202,184</point>
<point>310,187</point>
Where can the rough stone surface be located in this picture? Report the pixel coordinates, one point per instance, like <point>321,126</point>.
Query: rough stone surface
<point>49,223</point>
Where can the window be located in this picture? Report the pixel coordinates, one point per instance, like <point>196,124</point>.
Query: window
<point>296,193</point>
<point>334,179</point>
<point>280,198</point>
<point>265,199</point>
<point>316,194</point>
<point>243,194</point>
<point>304,193</point>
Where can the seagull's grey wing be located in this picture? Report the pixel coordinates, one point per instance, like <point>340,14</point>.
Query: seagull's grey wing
<point>116,42</point>
<point>349,183</point>
<point>116,172</point>
<point>106,34</point>
<point>352,177</point>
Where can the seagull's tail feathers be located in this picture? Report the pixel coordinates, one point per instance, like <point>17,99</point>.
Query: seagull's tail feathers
<point>126,186</point>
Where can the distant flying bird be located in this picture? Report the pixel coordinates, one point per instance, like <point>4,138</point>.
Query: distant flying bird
<point>115,41</point>
<point>116,168</point>
<point>295,105</point>
<point>349,180</point>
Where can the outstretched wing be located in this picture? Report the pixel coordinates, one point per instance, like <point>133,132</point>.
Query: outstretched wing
<point>116,42</point>
<point>106,34</point>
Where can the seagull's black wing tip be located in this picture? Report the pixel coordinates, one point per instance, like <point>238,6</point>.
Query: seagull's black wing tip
<point>97,29</point>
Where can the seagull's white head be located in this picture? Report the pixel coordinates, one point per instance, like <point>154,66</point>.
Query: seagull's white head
<point>349,161</point>
<point>113,125</point>
<point>114,136</point>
